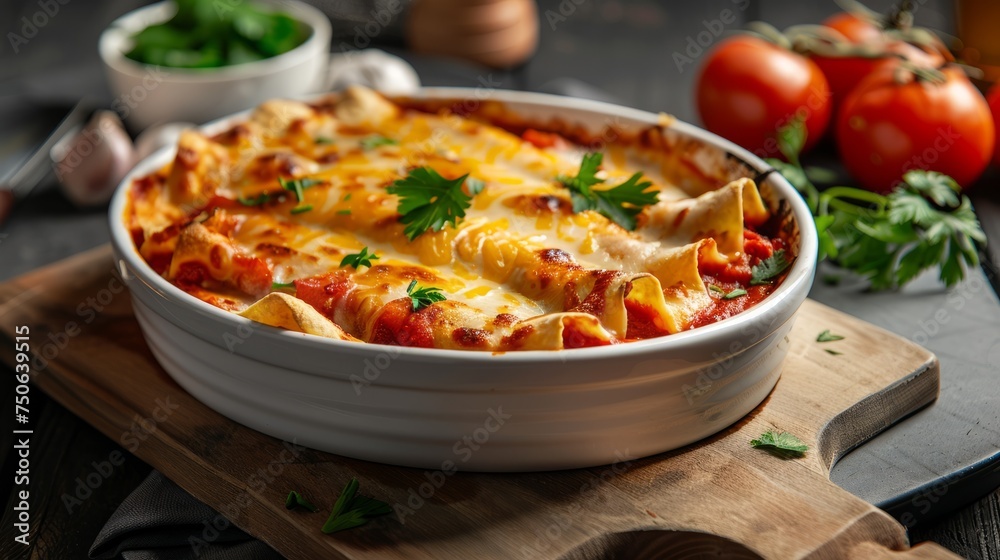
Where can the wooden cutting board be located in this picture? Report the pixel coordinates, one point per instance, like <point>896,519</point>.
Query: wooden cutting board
<point>718,497</point>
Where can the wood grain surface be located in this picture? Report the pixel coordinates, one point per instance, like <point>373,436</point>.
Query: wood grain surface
<point>718,495</point>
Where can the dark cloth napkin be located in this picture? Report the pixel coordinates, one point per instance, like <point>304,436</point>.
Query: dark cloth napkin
<point>160,521</point>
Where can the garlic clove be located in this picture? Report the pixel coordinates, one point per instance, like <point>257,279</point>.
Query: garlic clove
<point>93,161</point>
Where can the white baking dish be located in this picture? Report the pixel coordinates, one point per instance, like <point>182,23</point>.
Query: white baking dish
<point>447,409</point>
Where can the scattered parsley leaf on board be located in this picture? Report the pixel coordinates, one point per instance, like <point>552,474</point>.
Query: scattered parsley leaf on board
<point>295,499</point>
<point>832,352</point>
<point>352,510</point>
<point>827,336</point>
<point>422,297</point>
<point>357,260</point>
<point>782,444</point>
<point>735,294</point>
<point>620,204</point>
<point>924,223</point>
<point>428,201</point>
<point>372,142</point>
<point>770,268</point>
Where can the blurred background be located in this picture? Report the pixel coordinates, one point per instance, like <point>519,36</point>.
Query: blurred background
<point>632,52</point>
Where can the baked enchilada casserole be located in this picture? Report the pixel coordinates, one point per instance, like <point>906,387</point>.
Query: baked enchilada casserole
<point>384,221</point>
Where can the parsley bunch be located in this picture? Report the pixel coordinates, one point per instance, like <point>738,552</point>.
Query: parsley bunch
<point>619,204</point>
<point>889,239</point>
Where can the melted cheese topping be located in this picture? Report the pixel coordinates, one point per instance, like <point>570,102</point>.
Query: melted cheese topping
<point>521,270</point>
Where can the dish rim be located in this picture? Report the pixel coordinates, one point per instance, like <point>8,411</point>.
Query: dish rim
<point>801,271</point>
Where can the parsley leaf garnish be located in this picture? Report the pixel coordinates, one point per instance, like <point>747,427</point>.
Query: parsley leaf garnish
<point>254,201</point>
<point>428,201</point>
<point>297,186</point>
<point>827,336</point>
<point>283,285</point>
<point>357,260</point>
<point>372,142</point>
<point>717,289</point>
<point>924,223</point>
<point>768,269</point>
<point>344,212</point>
<point>619,204</point>
<point>735,294</point>
<point>323,140</point>
<point>295,499</point>
<point>352,510</point>
<point>782,444</point>
<point>475,186</point>
<point>422,297</point>
<point>832,352</point>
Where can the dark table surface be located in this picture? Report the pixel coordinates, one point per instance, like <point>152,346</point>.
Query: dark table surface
<point>937,471</point>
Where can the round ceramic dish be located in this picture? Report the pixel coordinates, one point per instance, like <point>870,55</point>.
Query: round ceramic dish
<point>448,409</point>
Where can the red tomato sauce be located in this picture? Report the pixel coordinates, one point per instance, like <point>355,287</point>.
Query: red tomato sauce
<point>735,275</point>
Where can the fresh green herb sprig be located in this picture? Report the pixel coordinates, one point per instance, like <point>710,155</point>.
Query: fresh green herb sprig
<point>620,204</point>
<point>357,260</point>
<point>428,201</point>
<point>352,510</point>
<point>924,223</point>
<point>781,444</point>
<point>282,286</point>
<point>422,297</point>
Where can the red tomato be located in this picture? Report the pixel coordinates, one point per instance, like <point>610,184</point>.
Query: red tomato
<point>749,88</point>
<point>855,29</point>
<point>845,73</point>
<point>886,128</point>
<point>993,98</point>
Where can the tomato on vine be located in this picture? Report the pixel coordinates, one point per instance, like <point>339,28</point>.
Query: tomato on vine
<point>749,88</point>
<point>896,121</point>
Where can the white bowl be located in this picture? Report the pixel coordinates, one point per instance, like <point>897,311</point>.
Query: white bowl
<point>442,409</point>
<point>146,95</point>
